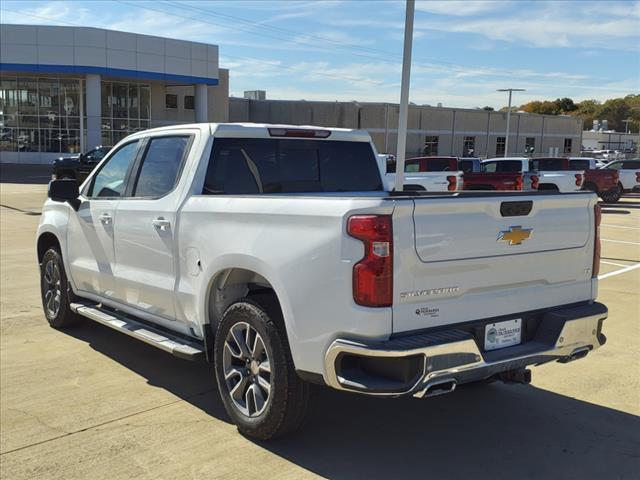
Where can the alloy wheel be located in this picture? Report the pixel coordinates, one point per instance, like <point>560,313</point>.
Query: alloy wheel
<point>51,289</point>
<point>247,369</point>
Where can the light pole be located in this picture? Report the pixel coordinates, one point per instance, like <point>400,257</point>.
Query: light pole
<point>510,90</point>
<point>404,96</point>
<point>626,125</point>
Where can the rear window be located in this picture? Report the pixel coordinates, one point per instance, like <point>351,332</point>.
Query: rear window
<point>429,165</point>
<point>579,164</point>
<point>466,166</point>
<point>248,166</point>
<point>548,164</point>
<point>502,166</point>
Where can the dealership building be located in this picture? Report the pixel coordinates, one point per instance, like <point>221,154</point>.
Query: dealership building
<point>64,90</point>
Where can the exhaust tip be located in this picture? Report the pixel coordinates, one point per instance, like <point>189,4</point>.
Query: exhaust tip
<point>576,355</point>
<point>437,387</point>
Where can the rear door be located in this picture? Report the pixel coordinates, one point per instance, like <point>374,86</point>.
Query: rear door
<point>145,228</point>
<point>467,260</point>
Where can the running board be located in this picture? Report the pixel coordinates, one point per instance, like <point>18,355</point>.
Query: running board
<point>174,344</point>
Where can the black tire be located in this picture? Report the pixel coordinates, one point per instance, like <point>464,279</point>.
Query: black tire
<point>54,284</point>
<point>613,195</point>
<point>285,408</point>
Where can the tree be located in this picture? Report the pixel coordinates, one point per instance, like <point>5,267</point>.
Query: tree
<point>565,105</point>
<point>614,110</point>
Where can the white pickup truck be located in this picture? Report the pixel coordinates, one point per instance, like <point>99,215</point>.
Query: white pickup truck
<point>553,173</point>
<point>275,253</point>
<point>629,172</point>
<point>415,180</point>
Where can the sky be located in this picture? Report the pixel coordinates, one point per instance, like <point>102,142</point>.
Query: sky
<point>352,50</point>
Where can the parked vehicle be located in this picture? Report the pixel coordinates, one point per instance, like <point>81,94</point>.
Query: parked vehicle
<point>276,253</point>
<point>629,172</point>
<point>419,177</point>
<point>473,176</point>
<point>80,166</point>
<point>604,182</point>
<point>553,172</point>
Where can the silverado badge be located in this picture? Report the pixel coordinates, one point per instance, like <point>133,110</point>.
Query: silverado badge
<point>515,235</point>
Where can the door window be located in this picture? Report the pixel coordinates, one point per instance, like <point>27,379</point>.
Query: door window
<point>631,164</point>
<point>161,166</point>
<point>111,181</point>
<point>615,165</point>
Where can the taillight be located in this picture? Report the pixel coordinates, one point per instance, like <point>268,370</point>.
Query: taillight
<point>453,183</point>
<point>637,177</point>
<point>519,182</point>
<point>373,275</point>
<point>578,179</point>
<point>535,181</point>
<point>597,214</point>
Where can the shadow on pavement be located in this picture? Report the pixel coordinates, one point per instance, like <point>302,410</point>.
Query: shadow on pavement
<point>480,431</point>
<point>617,212</point>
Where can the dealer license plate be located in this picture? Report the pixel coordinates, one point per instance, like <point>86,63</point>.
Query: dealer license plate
<point>502,334</point>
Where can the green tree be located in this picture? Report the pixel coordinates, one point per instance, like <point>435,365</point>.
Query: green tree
<point>615,111</point>
<point>565,105</point>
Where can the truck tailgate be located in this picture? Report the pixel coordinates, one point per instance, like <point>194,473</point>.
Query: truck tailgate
<point>485,256</point>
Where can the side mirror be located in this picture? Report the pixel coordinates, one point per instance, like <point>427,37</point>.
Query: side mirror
<point>64,190</point>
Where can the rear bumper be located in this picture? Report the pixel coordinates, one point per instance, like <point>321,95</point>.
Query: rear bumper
<point>412,365</point>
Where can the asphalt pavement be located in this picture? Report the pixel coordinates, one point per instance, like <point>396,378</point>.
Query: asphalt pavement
<point>93,403</point>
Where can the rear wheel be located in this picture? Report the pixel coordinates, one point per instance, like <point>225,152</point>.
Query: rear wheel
<point>256,378</point>
<point>55,291</point>
<point>613,195</point>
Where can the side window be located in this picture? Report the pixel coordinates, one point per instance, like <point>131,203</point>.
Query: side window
<point>110,181</point>
<point>615,165</point>
<point>161,166</point>
<point>631,164</point>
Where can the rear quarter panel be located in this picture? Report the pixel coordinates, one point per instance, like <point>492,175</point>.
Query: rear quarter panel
<point>300,246</point>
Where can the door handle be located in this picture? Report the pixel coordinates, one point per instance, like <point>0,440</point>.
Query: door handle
<point>106,219</point>
<point>161,224</point>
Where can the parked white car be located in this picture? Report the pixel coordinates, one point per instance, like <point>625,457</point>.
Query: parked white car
<point>553,172</point>
<point>418,181</point>
<point>276,253</point>
<point>629,171</point>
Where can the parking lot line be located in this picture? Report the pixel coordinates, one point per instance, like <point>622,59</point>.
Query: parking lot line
<point>618,272</point>
<point>619,241</point>
<point>619,226</point>
<point>614,263</point>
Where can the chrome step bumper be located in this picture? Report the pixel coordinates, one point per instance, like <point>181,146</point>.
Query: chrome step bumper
<point>174,344</point>
<point>452,357</point>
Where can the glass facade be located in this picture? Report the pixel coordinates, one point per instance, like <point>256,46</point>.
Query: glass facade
<point>43,114</point>
<point>39,114</point>
<point>125,109</point>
